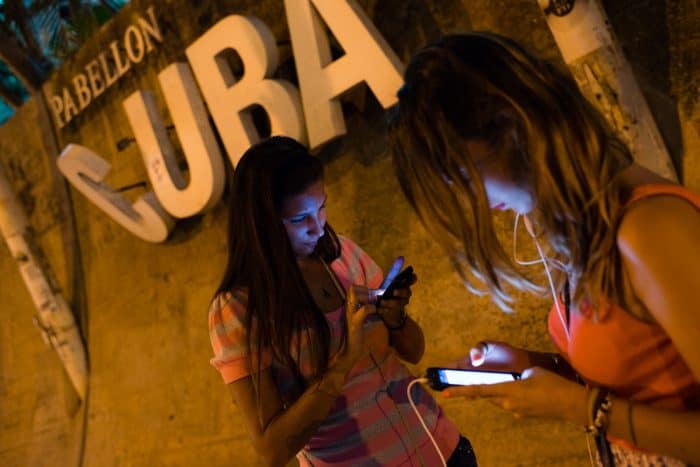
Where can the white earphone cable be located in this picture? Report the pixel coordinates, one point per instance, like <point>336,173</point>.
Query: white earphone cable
<point>528,227</point>
<point>420,418</point>
<point>515,244</point>
<point>543,260</point>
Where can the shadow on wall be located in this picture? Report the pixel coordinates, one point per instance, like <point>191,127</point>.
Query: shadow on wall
<point>645,42</point>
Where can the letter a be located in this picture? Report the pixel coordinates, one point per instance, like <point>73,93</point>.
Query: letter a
<point>367,58</point>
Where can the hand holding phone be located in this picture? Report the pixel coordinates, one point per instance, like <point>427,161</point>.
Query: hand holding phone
<point>441,378</point>
<point>403,280</point>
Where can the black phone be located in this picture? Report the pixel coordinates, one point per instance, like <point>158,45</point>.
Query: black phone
<point>402,280</point>
<point>441,378</point>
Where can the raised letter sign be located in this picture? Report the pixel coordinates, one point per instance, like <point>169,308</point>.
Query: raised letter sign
<point>196,137</point>
<point>229,101</point>
<point>85,170</point>
<point>367,58</point>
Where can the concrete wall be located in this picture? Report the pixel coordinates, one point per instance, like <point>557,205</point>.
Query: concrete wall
<point>154,400</point>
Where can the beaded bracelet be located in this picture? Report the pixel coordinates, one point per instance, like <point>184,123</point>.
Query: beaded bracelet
<point>599,405</point>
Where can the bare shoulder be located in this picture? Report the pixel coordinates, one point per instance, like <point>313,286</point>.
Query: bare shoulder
<point>659,225</point>
<point>658,241</point>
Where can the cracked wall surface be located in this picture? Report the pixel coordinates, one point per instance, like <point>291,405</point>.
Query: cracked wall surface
<point>154,399</point>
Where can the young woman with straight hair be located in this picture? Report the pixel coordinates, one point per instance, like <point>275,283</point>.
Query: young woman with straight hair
<point>311,361</point>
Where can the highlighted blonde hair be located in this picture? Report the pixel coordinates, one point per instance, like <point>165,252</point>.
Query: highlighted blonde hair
<point>484,87</point>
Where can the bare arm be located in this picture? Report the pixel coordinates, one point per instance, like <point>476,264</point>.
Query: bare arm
<point>278,433</point>
<point>555,363</point>
<point>501,356</point>
<point>658,240</point>
<point>408,339</point>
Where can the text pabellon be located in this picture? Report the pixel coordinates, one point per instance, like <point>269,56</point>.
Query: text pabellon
<point>106,69</point>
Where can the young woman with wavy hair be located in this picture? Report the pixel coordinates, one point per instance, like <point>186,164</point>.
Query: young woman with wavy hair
<point>311,361</point>
<point>482,124</point>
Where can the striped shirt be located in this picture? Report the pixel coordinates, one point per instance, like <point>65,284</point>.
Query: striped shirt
<point>371,423</point>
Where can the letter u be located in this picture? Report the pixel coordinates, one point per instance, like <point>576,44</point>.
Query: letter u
<point>205,162</point>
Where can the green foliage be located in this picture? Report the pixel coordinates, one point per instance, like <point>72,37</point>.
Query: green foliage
<point>10,81</point>
<point>5,112</point>
<point>39,34</point>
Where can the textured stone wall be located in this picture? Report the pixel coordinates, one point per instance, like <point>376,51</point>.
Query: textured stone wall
<point>154,400</point>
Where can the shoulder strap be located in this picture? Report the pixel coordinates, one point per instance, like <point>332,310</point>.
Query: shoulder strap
<point>656,189</point>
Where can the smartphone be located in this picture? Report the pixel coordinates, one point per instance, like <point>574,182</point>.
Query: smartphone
<point>441,378</point>
<point>402,280</point>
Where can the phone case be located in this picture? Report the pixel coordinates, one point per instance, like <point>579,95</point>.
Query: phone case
<point>400,281</point>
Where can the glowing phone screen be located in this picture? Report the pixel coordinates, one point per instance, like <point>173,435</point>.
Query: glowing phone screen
<point>465,378</point>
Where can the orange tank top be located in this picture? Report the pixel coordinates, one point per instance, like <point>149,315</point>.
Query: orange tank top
<point>633,359</point>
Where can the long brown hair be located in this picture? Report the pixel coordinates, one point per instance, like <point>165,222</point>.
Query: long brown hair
<point>262,262</point>
<point>481,86</point>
